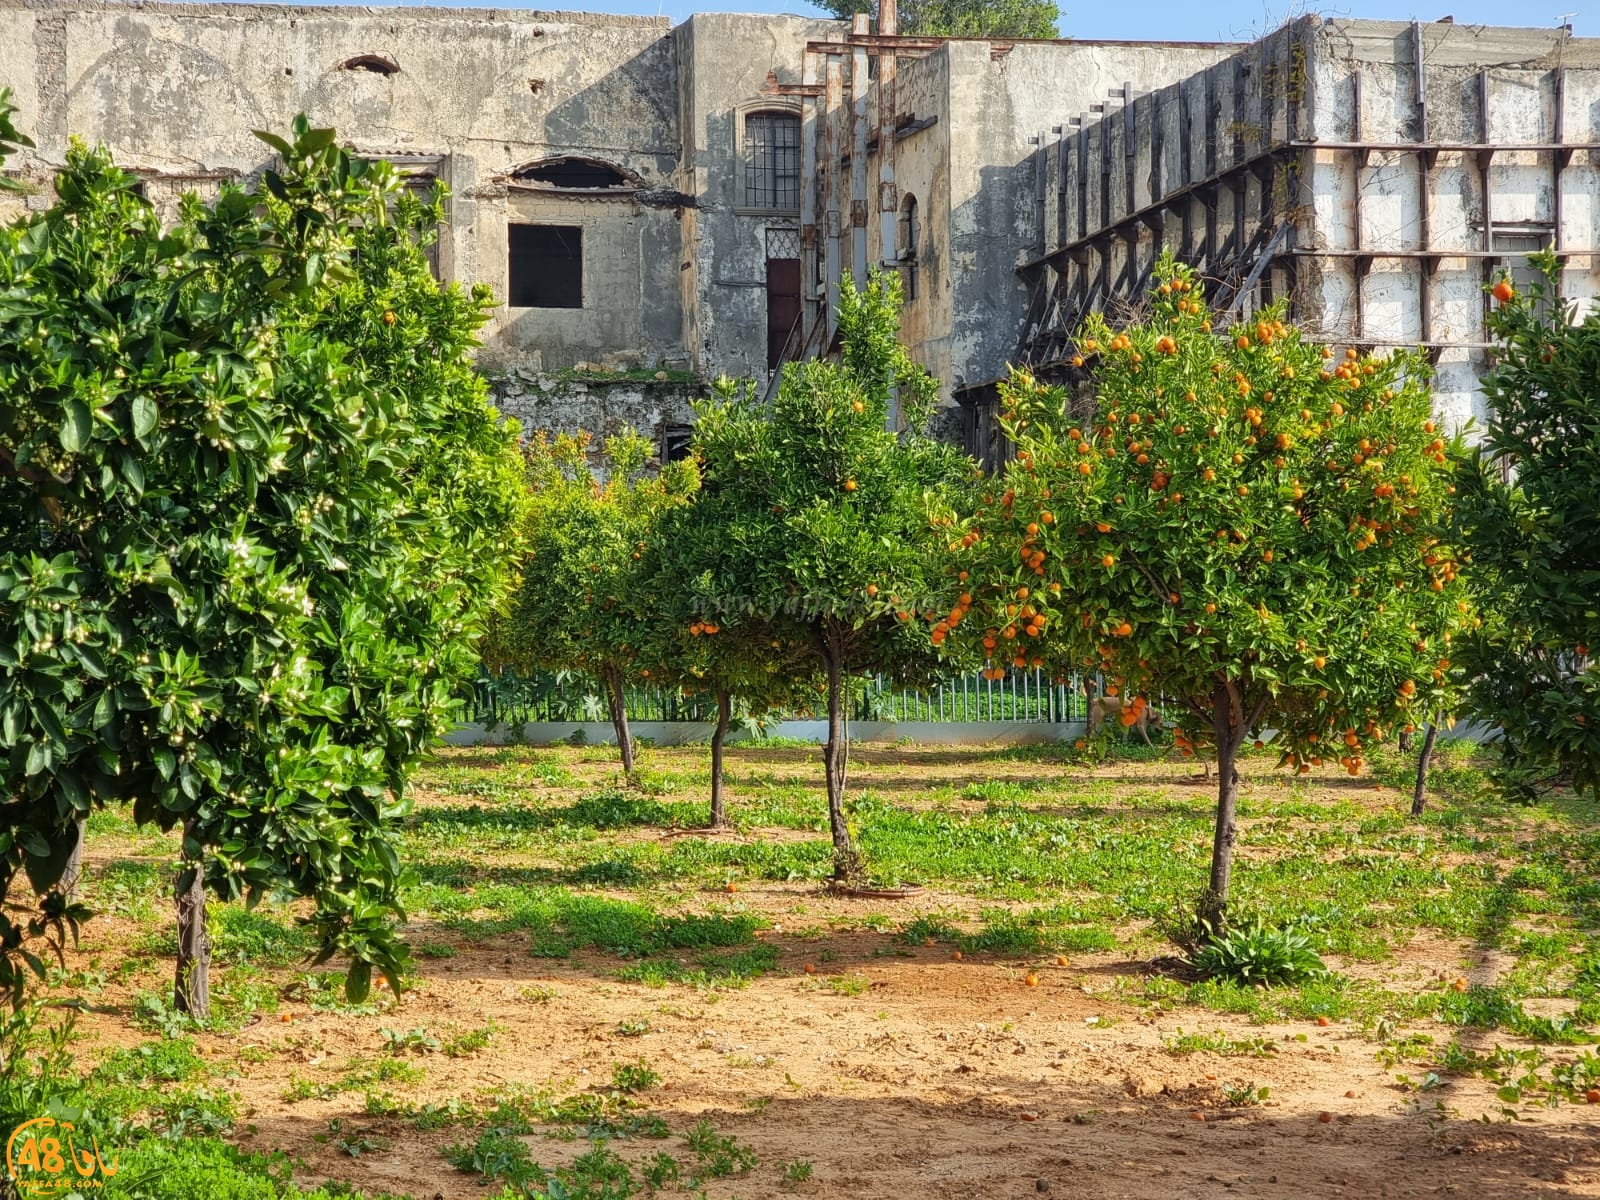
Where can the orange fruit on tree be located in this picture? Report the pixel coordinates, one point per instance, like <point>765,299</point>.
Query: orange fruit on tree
<point>1504,292</point>
<point>849,485</point>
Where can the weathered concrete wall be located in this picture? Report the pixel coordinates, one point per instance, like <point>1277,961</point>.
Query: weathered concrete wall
<point>591,400</point>
<point>1391,246</point>
<point>1000,101</point>
<point>175,89</point>
<point>922,170</point>
<point>728,59</point>
<point>1537,86</point>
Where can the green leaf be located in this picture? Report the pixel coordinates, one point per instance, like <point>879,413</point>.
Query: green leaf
<point>76,425</point>
<point>276,142</point>
<point>358,982</point>
<point>146,416</point>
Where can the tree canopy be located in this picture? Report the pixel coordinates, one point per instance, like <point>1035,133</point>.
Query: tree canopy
<point>582,604</point>
<point>964,18</point>
<point>1529,513</point>
<point>830,523</point>
<point>256,507</point>
<point>1234,522</point>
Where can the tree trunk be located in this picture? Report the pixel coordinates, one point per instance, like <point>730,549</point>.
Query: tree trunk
<point>833,756</point>
<point>719,815</point>
<point>1424,760</point>
<point>1227,727</point>
<point>67,885</point>
<point>617,702</point>
<point>192,989</point>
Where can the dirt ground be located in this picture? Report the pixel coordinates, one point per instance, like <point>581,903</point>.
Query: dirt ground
<point>912,1075</point>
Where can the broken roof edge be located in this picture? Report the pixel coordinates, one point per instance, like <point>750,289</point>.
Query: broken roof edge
<point>385,11</point>
<point>246,9</point>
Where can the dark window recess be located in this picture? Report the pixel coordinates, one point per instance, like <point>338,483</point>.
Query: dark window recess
<point>772,161</point>
<point>910,239</point>
<point>546,266</point>
<point>376,63</point>
<point>675,443</point>
<point>574,173</point>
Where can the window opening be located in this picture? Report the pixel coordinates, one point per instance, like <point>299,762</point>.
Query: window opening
<point>546,266</point>
<point>772,161</point>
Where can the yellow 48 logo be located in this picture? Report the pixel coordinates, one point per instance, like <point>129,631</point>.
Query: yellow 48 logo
<point>42,1159</point>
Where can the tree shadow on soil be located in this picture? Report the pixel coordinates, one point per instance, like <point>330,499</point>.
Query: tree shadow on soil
<point>1001,1135</point>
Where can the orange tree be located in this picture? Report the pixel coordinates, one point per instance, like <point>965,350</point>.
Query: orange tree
<point>577,608</point>
<point>824,528</point>
<point>1236,523</point>
<point>1530,514</point>
<point>239,585</point>
<point>751,668</point>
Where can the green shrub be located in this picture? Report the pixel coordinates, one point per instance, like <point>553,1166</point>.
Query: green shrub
<point>1259,956</point>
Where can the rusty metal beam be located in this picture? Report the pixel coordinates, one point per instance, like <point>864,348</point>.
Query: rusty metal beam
<point>875,41</point>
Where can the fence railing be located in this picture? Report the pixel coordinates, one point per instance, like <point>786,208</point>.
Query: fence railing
<point>510,699</point>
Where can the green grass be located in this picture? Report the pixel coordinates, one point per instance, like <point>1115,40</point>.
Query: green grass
<point>522,851</point>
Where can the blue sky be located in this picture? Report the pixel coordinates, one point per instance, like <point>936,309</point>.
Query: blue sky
<point>1166,20</point>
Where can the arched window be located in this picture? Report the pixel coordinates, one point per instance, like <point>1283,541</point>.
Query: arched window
<point>771,153</point>
<point>377,64</point>
<point>575,174</point>
<point>910,239</point>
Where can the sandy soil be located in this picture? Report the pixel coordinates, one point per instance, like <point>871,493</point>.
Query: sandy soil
<point>938,1078</point>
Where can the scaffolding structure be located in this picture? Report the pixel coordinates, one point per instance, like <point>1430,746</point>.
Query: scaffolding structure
<point>848,119</point>
<point>1240,205</point>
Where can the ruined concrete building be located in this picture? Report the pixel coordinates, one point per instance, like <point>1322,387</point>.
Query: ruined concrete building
<point>655,206</point>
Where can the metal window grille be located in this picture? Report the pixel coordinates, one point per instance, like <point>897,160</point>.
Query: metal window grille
<point>772,161</point>
<point>783,242</point>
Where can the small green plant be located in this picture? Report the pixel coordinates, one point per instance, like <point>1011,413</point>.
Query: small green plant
<point>717,1156</point>
<point>633,1028</point>
<point>1254,1046</point>
<point>414,1041</point>
<point>796,1170</point>
<point>382,1104</point>
<point>355,1143</point>
<point>634,1077</point>
<point>154,1011</point>
<point>436,950</point>
<point>363,1073</point>
<point>848,985</point>
<point>1244,1095</point>
<point>468,1043</point>
<point>301,1088</point>
<point>660,1170</point>
<point>439,1116</point>
<point>1259,956</point>
<point>496,1154</point>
